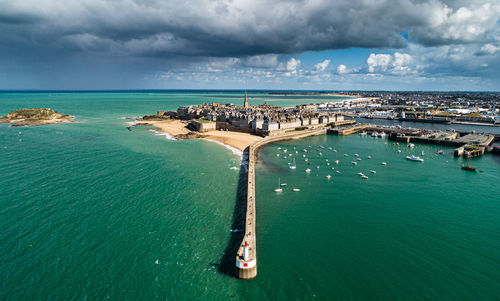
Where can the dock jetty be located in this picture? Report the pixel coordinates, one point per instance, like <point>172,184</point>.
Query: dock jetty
<point>246,257</point>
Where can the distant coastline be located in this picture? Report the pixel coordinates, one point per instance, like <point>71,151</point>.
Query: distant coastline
<point>314,93</point>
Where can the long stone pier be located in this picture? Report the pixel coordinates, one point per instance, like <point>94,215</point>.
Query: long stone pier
<point>246,258</point>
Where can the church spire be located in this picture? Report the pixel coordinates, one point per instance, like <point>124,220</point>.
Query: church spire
<point>245,104</point>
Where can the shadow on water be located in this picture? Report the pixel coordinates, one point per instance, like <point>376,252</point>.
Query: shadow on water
<point>227,261</point>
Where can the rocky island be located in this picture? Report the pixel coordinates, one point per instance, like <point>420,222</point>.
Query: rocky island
<point>35,116</point>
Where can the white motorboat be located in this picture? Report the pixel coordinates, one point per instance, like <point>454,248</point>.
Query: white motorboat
<point>373,171</point>
<point>356,155</point>
<point>354,163</point>
<point>346,155</point>
<point>364,177</point>
<point>414,158</point>
<point>308,170</point>
<point>294,166</point>
<point>383,163</point>
<point>368,157</point>
<point>328,176</point>
<point>337,162</point>
<point>296,189</point>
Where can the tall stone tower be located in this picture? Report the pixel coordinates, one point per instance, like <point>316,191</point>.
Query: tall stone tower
<point>245,104</point>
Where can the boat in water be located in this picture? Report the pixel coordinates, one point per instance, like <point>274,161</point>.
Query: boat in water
<point>469,168</point>
<point>439,152</point>
<point>354,163</point>
<point>328,176</point>
<point>296,189</point>
<point>279,189</point>
<point>337,162</point>
<point>373,171</point>
<point>414,158</point>
<point>308,170</point>
<point>383,163</point>
<point>294,166</point>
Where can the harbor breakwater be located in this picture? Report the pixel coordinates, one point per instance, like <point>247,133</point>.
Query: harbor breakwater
<point>246,257</point>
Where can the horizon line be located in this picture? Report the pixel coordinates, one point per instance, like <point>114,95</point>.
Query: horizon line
<point>255,90</point>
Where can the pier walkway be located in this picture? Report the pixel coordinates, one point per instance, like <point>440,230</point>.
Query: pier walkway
<point>246,258</point>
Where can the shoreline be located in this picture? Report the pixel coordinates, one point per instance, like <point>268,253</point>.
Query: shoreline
<point>235,151</point>
<point>175,129</point>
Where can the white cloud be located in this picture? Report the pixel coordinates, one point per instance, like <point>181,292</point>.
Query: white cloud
<point>321,66</point>
<point>290,67</point>
<point>488,49</point>
<point>463,24</point>
<point>342,69</point>
<point>399,63</point>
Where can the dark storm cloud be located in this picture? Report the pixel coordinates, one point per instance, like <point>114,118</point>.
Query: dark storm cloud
<point>240,28</point>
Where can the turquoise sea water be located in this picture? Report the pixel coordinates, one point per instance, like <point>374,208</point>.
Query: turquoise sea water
<point>92,211</point>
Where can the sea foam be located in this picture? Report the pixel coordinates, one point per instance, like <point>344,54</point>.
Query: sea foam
<point>166,135</point>
<point>235,151</point>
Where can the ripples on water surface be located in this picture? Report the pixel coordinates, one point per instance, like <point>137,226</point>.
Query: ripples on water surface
<point>91,210</point>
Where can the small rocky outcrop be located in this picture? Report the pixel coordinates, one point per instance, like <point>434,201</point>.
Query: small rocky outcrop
<point>35,116</point>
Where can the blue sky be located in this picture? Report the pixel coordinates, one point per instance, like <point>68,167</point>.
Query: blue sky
<point>223,44</point>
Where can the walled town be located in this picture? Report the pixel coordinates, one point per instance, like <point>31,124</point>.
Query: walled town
<point>263,120</point>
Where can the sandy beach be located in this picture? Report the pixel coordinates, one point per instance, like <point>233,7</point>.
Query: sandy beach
<point>178,129</point>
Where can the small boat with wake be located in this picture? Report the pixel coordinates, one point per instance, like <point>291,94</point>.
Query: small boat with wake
<point>279,189</point>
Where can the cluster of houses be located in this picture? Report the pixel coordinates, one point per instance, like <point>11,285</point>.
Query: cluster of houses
<point>255,117</point>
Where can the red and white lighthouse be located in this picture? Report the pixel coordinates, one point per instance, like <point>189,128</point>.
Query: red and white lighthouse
<point>245,251</point>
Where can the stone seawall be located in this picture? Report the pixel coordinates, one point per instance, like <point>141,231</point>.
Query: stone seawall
<point>246,258</point>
